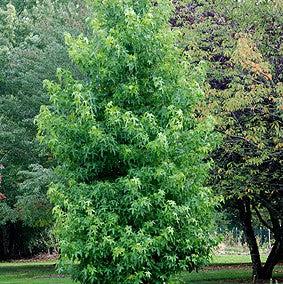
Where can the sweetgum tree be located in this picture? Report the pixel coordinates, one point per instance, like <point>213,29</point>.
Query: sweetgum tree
<point>131,206</point>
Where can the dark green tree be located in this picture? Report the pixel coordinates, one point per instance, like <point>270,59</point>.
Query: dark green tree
<point>31,48</point>
<point>242,44</point>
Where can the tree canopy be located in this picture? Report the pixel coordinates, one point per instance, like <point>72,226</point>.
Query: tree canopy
<point>242,45</point>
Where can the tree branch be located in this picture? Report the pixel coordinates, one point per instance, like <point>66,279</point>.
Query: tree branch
<point>261,219</point>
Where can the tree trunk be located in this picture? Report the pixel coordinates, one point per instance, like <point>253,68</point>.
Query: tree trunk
<point>246,220</point>
<point>275,255</point>
<point>260,272</point>
<point>273,259</point>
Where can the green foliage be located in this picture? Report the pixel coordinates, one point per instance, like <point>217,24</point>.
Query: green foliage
<point>31,48</point>
<point>131,206</point>
<point>32,204</point>
<point>242,43</point>
<point>244,88</point>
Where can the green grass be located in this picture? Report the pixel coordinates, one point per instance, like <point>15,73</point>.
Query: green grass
<point>216,276</point>
<point>233,259</point>
<point>225,269</point>
<point>239,275</point>
<point>30,273</point>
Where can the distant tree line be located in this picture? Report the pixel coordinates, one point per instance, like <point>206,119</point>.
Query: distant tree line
<point>31,49</point>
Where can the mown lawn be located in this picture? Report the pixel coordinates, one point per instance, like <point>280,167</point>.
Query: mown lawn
<point>233,259</point>
<point>224,274</point>
<point>224,269</point>
<point>30,273</point>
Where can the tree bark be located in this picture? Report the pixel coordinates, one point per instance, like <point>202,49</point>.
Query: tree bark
<point>261,272</point>
<point>246,220</point>
<point>276,253</point>
<point>273,259</point>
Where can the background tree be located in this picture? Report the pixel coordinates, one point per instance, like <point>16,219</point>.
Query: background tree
<point>242,42</point>
<point>31,48</point>
<point>131,206</point>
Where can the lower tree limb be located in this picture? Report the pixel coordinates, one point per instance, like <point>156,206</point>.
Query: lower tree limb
<point>274,257</point>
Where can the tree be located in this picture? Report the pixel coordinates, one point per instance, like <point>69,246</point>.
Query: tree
<point>31,48</point>
<point>242,43</point>
<point>131,206</point>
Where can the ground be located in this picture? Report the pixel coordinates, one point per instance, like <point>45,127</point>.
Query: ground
<point>224,269</point>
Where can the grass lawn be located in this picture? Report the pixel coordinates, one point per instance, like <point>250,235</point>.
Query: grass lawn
<point>30,273</point>
<point>233,259</point>
<point>224,275</point>
<point>224,269</point>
